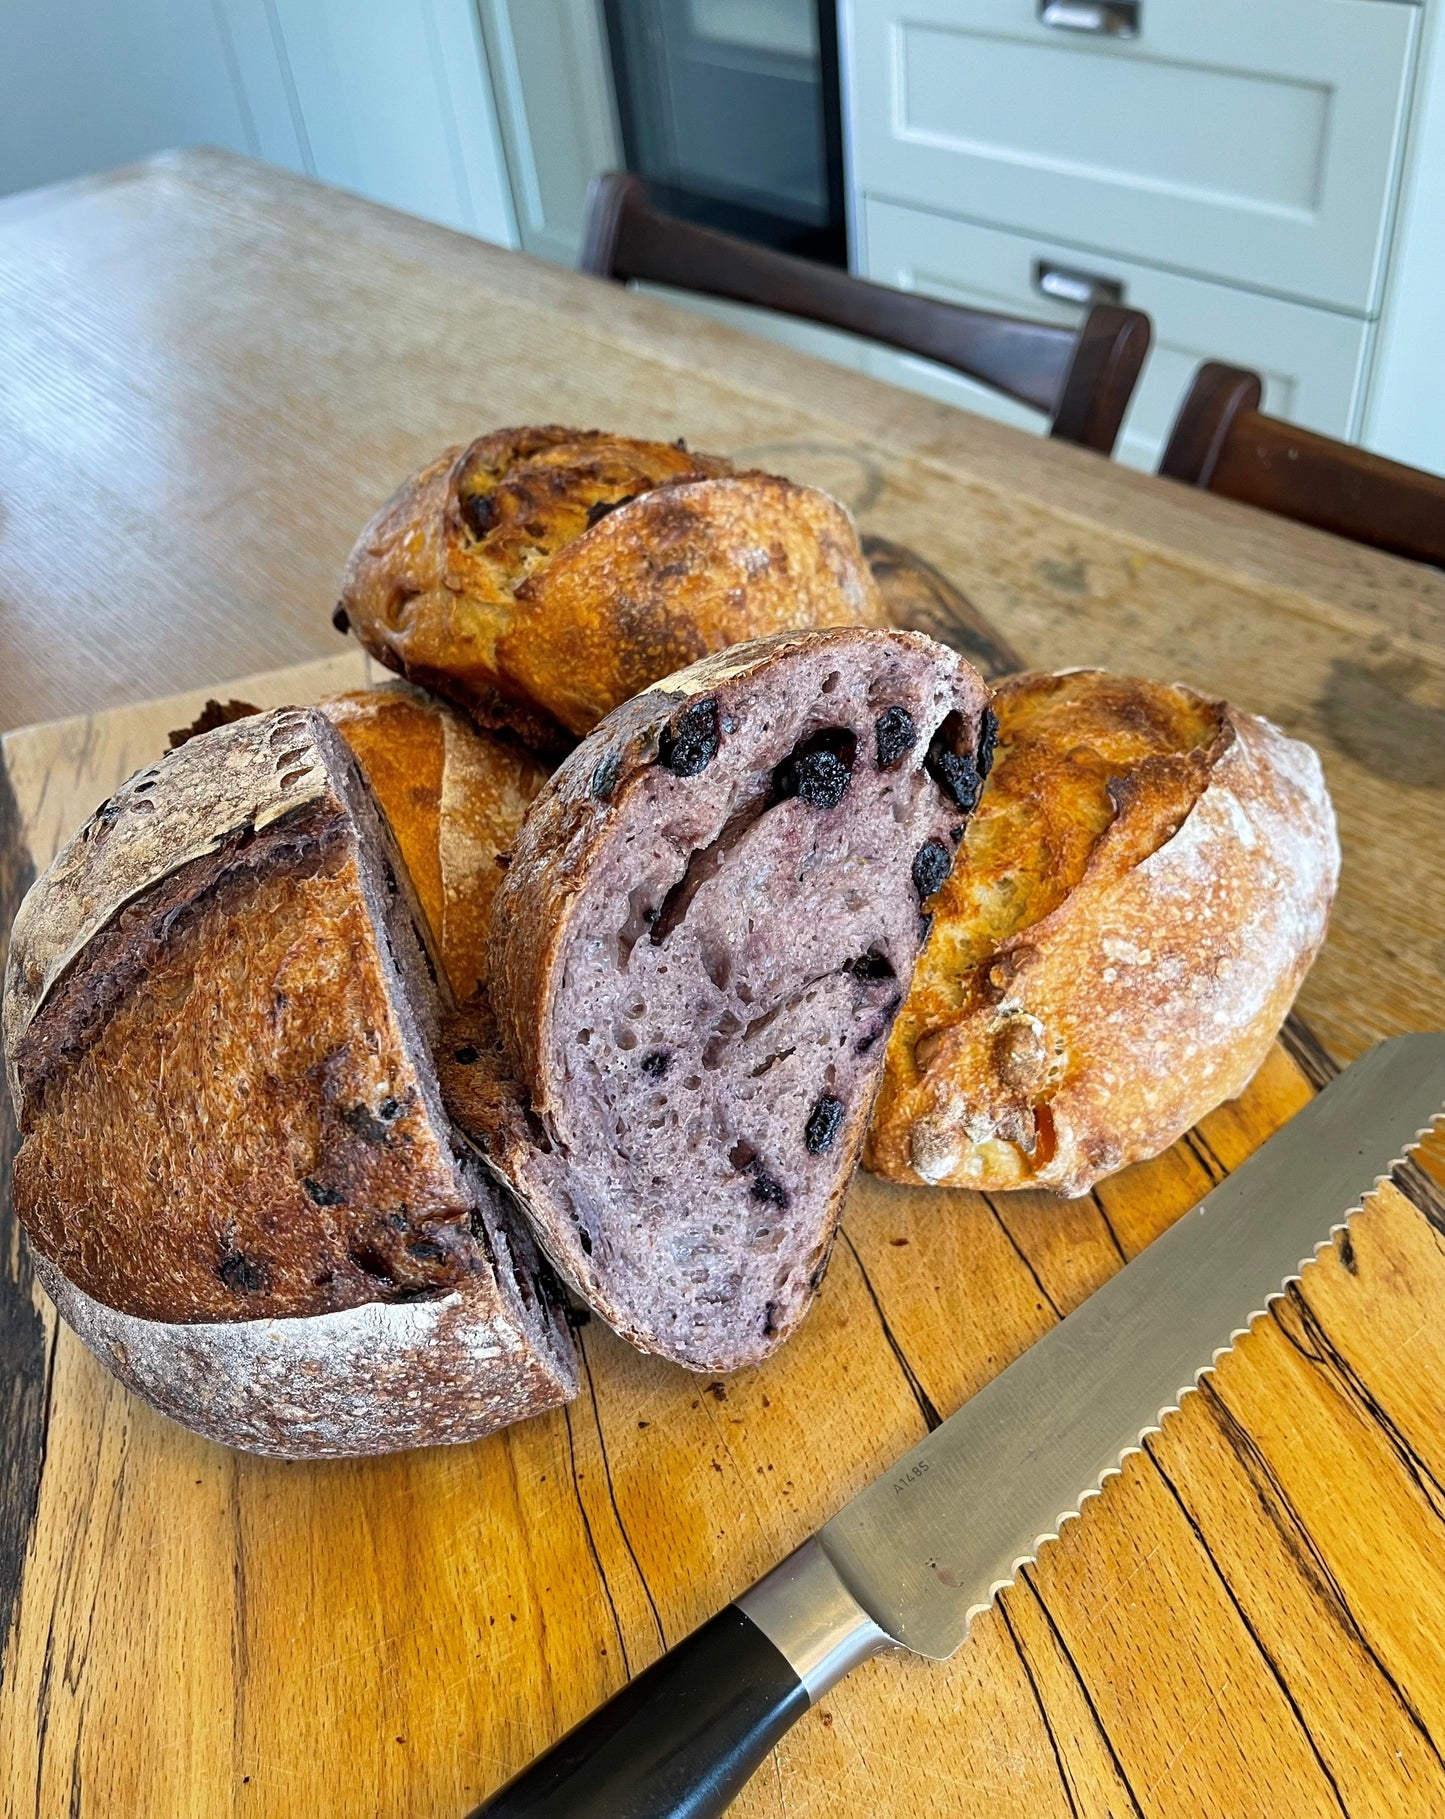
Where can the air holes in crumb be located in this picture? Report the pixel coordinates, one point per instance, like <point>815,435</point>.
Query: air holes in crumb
<point>830,682</point>
<point>290,779</point>
<point>624,1038</point>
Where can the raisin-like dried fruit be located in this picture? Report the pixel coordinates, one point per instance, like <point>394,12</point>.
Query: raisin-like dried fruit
<point>873,965</point>
<point>604,776</point>
<point>479,513</point>
<point>245,1275</point>
<point>956,773</point>
<point>765,1188</point>
<point>931,865</point>
<point>657,1063</point>
<point>822,779</point>
<point>689,744</point>
<point>824,1123</point>
<point>895,734</point>
<point>987,741</point>
<point>818,769</point>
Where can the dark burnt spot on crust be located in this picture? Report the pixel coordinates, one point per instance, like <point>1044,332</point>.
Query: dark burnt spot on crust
<point>604,776</point>
<point>824,1123</point>
<point>479,513</point>
<point>894,734</point>
<point>987,741</point>
<point>322,1196</point>
<point>245,1275</point>
<point>373,1127</point>
<point>657,1063</point>
<point>689,742</point>
<point>818,770</point>
<point>931,865</point>
<point>598,511</point>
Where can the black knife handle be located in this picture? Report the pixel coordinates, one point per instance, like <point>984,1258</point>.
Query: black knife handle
<point>678,1742</point>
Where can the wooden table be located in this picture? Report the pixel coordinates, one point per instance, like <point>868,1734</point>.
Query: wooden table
<point>211,373</point>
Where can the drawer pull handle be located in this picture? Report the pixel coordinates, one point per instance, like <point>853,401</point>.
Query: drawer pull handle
<point>1105,18</point>
<point>1066,286</point>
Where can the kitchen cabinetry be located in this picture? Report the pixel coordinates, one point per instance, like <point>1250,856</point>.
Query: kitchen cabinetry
<point>1232,169</point>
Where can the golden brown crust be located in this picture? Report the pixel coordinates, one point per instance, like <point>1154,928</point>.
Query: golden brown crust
<point>540,577</point>
<point>236,1175</point>
<point>1141,891</point>
<point>454,797</point>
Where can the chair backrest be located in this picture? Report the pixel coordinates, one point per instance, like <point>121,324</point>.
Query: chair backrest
<point>1082,381</point>
<point>1221,440</point>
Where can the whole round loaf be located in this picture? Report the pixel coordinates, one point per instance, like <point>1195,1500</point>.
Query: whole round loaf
<point>1141,891</point>
<point>539,577</point>
<point>236,1170</point>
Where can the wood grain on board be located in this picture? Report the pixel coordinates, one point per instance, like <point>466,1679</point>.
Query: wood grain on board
<point>1247,1621</point>
<point>221,370</point>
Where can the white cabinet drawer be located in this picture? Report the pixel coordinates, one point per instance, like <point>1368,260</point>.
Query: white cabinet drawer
<point>1253,140</point>
<point>1311,359</point>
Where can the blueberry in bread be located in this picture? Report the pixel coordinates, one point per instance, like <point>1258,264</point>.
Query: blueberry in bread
<point>539,577</point>
<point>236,1171</point>
<point>1140,894</point>
<point>709,923</point>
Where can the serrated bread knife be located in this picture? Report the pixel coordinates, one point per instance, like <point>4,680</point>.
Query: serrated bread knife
<point>913,1557</point>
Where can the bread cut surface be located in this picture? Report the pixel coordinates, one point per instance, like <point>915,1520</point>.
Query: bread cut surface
<point>539,577</point>
<point>1141,891</point>
<point>219,1013</point>
<point>454,797</point>
<point>710,919</point>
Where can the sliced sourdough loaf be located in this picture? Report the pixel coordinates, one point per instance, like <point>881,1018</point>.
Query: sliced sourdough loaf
<point>710,919</point>
<point>236,1169</point>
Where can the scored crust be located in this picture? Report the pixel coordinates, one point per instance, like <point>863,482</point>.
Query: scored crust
<point>710,918</point>
<point>539,577</point>
<point>1141,891</point>
<point>236,1171</point>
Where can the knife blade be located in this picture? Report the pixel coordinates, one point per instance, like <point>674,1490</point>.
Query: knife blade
<point>918,1553</point>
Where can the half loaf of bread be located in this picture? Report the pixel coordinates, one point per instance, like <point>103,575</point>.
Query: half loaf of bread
<point>236,1169</point>
<point>1143,888</point>
<point>710,920</point>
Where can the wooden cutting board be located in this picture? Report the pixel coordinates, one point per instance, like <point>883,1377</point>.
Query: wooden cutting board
<point>1249,1620</point>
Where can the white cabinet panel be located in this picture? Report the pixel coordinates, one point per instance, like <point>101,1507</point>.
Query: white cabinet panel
<point>1311,359</point>
<point>554,95</point>
<point>393,101</point>
<point>1246,141</point>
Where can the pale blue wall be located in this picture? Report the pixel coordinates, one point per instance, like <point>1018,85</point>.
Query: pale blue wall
<point>387,97</point>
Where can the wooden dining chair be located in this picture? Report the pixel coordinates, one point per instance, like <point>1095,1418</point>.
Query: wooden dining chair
<point>1081,381</point>
<point>1223,441</point>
